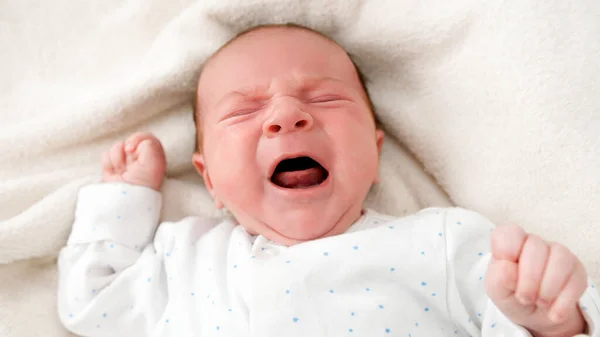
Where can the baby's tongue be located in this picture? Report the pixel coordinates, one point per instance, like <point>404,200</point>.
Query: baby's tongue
<point>299,179</point>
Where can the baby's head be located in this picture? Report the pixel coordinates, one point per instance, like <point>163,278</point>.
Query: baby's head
<point>286,133</point>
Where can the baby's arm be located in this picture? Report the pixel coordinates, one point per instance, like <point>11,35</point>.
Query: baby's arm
<point>469,271</point>
<point>111,281</point>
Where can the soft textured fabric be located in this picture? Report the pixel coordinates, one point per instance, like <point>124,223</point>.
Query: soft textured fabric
<point>498,100</point>
<point>422,275</point>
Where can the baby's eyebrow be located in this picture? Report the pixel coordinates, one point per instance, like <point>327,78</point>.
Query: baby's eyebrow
<point>253,93</point>
<point>313,81</point>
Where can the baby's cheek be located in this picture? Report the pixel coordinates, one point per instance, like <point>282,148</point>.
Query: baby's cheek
<point>239,188</point>
<point>363,158</point>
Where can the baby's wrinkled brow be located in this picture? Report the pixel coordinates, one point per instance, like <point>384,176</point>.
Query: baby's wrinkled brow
<point>261,92</point>
<point>255,93</point>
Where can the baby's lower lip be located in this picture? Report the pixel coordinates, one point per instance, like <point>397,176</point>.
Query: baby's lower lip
<point>300,179</point>
<point>311,191</point>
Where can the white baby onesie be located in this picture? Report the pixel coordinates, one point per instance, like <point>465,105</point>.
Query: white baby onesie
<point>420,275</point>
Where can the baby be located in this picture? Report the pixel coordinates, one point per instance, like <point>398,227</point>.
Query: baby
<point>287,143</point>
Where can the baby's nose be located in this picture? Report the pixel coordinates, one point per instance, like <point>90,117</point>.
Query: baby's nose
<point>286,121</point>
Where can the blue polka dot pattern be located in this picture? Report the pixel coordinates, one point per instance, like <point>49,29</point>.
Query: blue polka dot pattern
<point>340,283</point>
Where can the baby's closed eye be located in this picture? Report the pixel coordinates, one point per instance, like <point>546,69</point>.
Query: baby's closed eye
<point>325,99</point>
<point>242,112</point>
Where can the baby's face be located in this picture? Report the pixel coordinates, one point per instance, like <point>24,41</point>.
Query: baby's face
<point>290,146</point>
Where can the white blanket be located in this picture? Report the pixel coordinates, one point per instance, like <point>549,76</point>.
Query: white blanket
<point>499,101</point>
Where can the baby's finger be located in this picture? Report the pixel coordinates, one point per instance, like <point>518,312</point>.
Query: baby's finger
<point>106,165</point>
<point>558,270</point>
<point>570,295</point>
<point>134,140</point>
<point>532,264</point>
<point>150,150</point>
<point>501,281</point>
<point>117,156</point>
<point>507,242</point>
<point>107,168</point>
<point>104,161</point>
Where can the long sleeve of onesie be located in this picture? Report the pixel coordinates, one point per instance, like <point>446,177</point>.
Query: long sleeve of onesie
<point>110,274</point>
<point>467,245</point>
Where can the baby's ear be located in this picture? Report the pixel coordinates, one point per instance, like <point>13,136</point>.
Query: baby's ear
<point>379,135</point>
<point>199,164</point>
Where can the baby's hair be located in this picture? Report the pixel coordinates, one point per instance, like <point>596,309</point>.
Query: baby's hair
<point>362,78</point>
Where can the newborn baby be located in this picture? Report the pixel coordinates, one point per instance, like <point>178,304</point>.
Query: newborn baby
<point>287,143</point>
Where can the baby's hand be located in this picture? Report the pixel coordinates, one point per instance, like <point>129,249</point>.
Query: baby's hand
<point>536,284</point>
<point>139,161</point>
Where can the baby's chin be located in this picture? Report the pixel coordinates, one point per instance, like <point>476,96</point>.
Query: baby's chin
<point>290,231</point>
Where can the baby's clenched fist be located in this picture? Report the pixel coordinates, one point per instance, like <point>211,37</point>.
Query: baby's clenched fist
<point>140,160</point>
<point>535,283</point>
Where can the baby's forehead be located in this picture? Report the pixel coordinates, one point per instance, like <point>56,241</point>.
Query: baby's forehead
<point>267,56</point>
<point>254,36</point>
<point>264,41</point>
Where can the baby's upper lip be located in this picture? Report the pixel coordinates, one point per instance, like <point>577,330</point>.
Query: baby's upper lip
<point>285,156</point>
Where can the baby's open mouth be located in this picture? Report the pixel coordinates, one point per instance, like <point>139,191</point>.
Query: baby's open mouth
<point>301,172</point>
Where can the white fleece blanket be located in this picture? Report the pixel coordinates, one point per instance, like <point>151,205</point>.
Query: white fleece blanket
<point>499,101</point>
